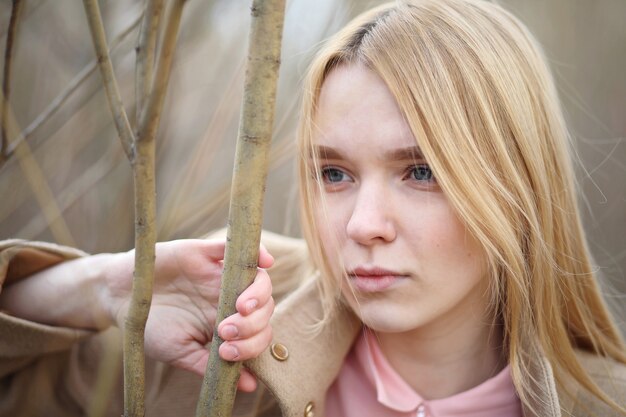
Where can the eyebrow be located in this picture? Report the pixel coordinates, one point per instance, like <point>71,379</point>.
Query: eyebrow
<point>410,153</point>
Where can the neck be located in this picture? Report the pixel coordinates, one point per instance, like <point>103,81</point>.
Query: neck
<point>441,360</point>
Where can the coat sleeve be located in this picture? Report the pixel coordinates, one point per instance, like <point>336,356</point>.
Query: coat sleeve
<point>53,371</point>
<point>23,340</point>
<point>34,356</point>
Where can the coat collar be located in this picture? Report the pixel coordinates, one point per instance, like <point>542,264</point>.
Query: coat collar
<point>315,355</point>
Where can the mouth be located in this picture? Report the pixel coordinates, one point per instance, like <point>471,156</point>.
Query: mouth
<point>373,279</point>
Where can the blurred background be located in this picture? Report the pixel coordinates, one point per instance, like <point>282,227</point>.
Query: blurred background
<point>84,186</point>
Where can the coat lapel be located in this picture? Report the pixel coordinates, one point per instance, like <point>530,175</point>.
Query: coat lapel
<point>303,361</point>
<point>544,398</point>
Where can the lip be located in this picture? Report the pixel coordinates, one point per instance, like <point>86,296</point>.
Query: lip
<point>371,279</point>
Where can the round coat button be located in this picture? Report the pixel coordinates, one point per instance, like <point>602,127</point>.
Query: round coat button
<point>308,410</point>
<point>279,351</point>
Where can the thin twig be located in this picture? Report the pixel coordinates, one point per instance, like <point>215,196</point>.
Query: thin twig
<point>71,88</point>
<point>246,205</point>
<point>149,119</point>
<point>146,47</point>
<point>30,10</point>
<point>38,183</point>
<point>6,79</point>
<point>108,371</point>
<point>79,186</point>
<point>110,83</point>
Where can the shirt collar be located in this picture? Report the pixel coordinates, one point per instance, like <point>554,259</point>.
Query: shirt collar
<point>393,392</point>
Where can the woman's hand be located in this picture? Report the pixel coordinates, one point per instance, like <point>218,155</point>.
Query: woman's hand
<point>184,306</point>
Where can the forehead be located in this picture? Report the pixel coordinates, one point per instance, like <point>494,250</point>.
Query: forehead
<point>356,109</point>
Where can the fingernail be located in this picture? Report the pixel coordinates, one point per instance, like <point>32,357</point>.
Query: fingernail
<point>230,353</point>
<point>251,305</point>
<point>230,332</point>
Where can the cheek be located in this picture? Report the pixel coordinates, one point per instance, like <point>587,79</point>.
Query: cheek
<point>447,243</point>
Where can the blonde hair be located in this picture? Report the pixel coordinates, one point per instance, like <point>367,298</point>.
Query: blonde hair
<point>481,103</point>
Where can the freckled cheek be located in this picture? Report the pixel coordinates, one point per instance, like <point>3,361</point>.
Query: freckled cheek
<point>439,233</point>
<point>461,248</point>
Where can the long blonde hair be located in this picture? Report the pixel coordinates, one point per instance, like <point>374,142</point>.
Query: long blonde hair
<point>481,103</point>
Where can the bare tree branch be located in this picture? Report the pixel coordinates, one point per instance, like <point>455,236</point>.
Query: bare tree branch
<point>110,83</point>
<point>146,47</point>
<point>6,79</point>
<point>145,223</point>
<point>71,88</point>
<point>141,153</point>
<point>246,205</point>
<point>150,115</point>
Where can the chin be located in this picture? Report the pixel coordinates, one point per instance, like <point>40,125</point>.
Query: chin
<point>383,319</point>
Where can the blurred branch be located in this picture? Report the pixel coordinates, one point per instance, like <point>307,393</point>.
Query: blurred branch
<point>28,164</point>
<point>33,5</point>
<point>80,185</point>
<point>196,217</point>
<point>146,47</point>
<point>108,371</point>
<point>246,205</point>
<point>195,221</point>
<point>71,88</point>
<point>202,155</point>
<point>110,83</point>
<point>16,10</point>
<point>37,180</point>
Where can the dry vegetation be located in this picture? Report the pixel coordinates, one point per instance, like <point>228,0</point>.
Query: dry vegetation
<point>61,111</point>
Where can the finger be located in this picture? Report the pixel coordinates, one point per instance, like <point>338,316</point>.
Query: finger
<point>256,295</point>
<point>214,248</point>
<point>266,260</point>
<point>241,350</point>
<point>238,327</point>
<point>247,381</point>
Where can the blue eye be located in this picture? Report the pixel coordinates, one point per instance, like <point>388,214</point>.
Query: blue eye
<point>334,175</point>
<point>421,173</point>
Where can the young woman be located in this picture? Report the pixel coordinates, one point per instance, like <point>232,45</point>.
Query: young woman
<point>448,269</point>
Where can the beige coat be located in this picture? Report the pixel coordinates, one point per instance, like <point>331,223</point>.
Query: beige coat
<point>49,371</point>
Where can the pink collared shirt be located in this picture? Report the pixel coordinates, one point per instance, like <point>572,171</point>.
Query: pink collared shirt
<point>367,386</point>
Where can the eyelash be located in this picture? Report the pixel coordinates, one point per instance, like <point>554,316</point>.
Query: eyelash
<point>424,168</point>
<point>325,172</point>
<point>413,168</point>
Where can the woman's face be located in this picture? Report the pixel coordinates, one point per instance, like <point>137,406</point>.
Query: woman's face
<point>410,262</point>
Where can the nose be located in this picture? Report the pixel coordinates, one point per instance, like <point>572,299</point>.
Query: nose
<point>371,221</point>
